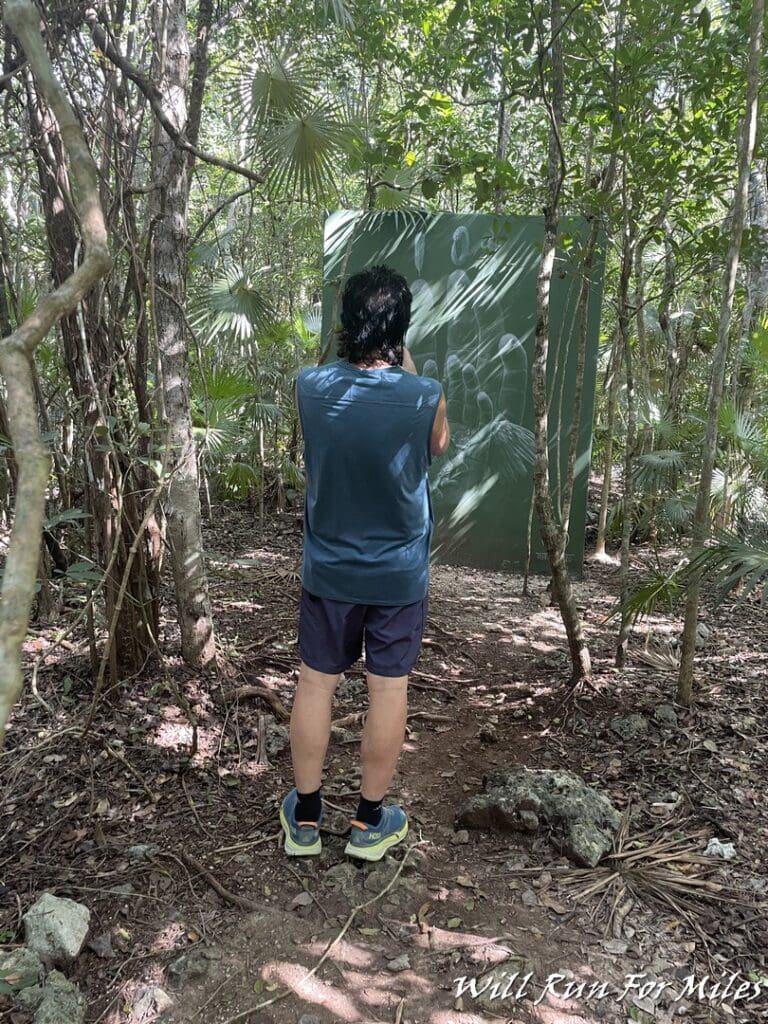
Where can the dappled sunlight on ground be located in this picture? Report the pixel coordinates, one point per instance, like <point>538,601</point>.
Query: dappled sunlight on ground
<point>320,993</point>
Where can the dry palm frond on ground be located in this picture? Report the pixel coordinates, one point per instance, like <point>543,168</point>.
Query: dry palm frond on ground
<point>669,872</point>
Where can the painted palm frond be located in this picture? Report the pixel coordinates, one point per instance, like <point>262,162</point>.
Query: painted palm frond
<point>513,449</point>
<point>304,150</point>
<point>232,308</point>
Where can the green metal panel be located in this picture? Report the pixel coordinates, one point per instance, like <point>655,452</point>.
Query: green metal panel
<point>473,278</point>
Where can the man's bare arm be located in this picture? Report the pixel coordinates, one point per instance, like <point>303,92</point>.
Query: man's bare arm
<point>408,363</point>
<point>441,432</point>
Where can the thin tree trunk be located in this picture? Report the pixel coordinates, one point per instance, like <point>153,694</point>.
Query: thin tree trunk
<point>627,259</point>
<point>701,518</point>
<point>757,280</point>
<point>614,379</point>
<point>16,354</point>
<point>551,532</point>
<point>169,170</point>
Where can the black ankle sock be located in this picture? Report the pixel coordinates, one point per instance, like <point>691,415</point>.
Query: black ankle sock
<point>308,806</point>
<point>369,811</point>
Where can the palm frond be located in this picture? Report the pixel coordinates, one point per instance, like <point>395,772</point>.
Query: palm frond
<point>740,427</point>
<point>656,467</point>
<point>730,563</point>
<point>676,511</point>
<point>658,588</point>
<point>238,479</point>
<point>232,307</point>
<point>338,12</point>
<point>303,151</point>
<point>278,84</point>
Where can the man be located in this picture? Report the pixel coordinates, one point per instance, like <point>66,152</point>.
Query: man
<point>371,426</point>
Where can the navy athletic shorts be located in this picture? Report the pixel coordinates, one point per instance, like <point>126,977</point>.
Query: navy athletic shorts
<point>331,635</point>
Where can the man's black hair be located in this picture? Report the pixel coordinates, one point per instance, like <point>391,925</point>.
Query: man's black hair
<point>375,313</point>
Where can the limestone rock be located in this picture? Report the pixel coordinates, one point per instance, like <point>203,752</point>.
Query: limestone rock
<point>630,727</point>
<point>56,929</point>
<point>498,989</point>
<point>666,715</point>
<point>278,736</point>
<point>400,963</point>
<point>26,967</point>
<point>582,820</point>
<point>345,877</point>
<point>62,1003</point>
<point>193,965</point>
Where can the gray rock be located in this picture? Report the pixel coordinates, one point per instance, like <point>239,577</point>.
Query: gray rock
<point>381,877</point>
<point>149,1001</point>
<point>351,687</point>
<point>22,962</point>
<point>630,727</point>
<point>101,945</point>
<point>581,819</point>
<point>192,965</point>
<point>461,838</point>
<point>309,1018</point>
<point>744,723</point>
<point>56,929</point>
<point>62,1003</point>
<point>666,715</point>
<point>143,851</point>
<point>400,963</point>
<point>496,989</point>
<point>29,999</point>
<point>278,737</point>
<point>345,877</point>
<point>717,848</point>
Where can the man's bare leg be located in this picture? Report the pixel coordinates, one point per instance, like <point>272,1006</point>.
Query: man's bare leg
<point>311,726</point>
<point>383,733</point>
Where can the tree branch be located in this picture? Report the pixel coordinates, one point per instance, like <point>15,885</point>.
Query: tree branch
<point>155,99</point>
<point>16,354</point>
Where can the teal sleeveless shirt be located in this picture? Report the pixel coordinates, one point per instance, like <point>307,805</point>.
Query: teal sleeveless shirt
<point>368,515</point>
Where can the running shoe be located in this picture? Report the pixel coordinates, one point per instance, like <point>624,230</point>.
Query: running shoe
<point>371,842</point>
<point>302,838</point>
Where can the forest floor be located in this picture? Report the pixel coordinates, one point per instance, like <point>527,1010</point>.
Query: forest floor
<point>164,820</point>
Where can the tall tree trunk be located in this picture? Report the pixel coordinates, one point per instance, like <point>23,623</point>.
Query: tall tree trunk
<point>552,533</point>
<point>16,354</point>
<point>627,259</point>
<point>701,518</point>
<point>757,280</point>
<point>169,171</point>
<point>613,375</point>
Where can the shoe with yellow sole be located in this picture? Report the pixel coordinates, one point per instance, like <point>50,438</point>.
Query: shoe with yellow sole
<point>371,842</point>
<point>302,838</point>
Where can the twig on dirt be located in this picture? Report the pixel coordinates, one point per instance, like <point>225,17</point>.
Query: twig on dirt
<point>314,898</point>
<point>238,901</point>
<point>194,809</point>
<point>245,1014</point>
<point>134,771</point>
<point>247,845</point>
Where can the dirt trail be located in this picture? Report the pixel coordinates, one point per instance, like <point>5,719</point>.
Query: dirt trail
<point>135,805</point>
